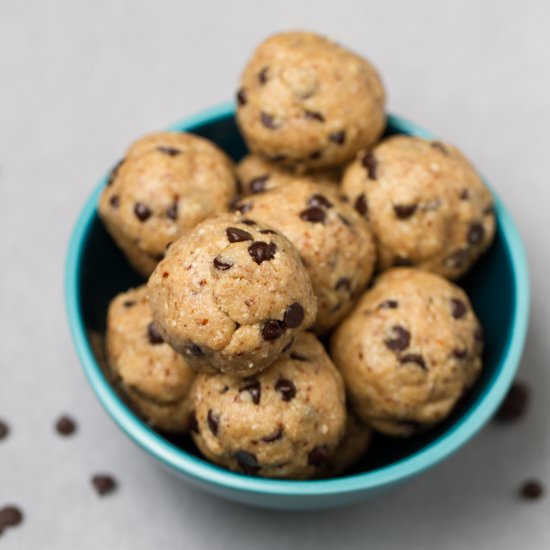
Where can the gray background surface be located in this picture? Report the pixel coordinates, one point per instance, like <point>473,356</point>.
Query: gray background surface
<point>78,82</point>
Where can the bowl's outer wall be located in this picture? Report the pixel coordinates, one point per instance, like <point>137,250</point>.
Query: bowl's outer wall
<point>499,290</point>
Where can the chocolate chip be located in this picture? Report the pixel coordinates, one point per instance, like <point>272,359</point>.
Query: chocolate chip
<point>286,388</point>
<point>261,252</point>
<point>274,436</point>
<point>313,214</point>
<point>129,303</point>
<point>315,155</point>
<point>314,115</point>
<point>389,304</point>
<point>242,207</point>
<point>531,490</point>
<point>318,455</point>
<point>236,235</point>
<point>65,425</point>
<point>370,163</point>
<point>268,232</point>
<point>257,185</point>
<point>404,211</point>
<point>247,462</point>
<point>457,259</point>
<point>440,147</point>
<point>272,330</point>
<point>298,357</point>
<point>4,430</point>
<point>361,205</point>
<point>413,358</point>
<point>172,211</point>
<point>195,350</point>
<point>400,339</point>
<point>401,261</point>
<point>154,334</point>
<point>142,212</point>
<point>476,231</point>
<point>114,201</point>
<point>268,121</point>
<point>320,201</point>
<point>338,137</point>
<point>515,404</point>
<point>104,484</point>
<point>221,265</point>
<point>170,151</point>
<point>262,75</point>
<point>460,353</point>
<point>241,97</point>
<point>254,388</point>
<point>213,422</point>
<point>249,222</point>
<point>192,421</point>
<point>343,283</point>
<point>10,516</point>
<point>294,315</point>
<point>458,308</point>
<point>464,195</point>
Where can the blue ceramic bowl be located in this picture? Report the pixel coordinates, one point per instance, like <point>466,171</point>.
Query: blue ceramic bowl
<point>498,287</point>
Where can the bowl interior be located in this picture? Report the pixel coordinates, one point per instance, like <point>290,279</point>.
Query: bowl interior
<point>104,272</point>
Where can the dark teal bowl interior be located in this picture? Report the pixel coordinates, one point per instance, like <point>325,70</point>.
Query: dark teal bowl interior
<point>103,272</point>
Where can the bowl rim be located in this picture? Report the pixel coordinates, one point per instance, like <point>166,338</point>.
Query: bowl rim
<point>202,471</point>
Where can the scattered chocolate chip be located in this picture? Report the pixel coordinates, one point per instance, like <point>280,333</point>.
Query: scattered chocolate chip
<point>389,304</point>
<point>313,214</point>
<point>272,330</point>
<point>440,147</point>
<point>318,455</point>
<point>361,205</point>
<point>315,155</point>
<point>257,185</point>
<point>236,235</point>
<point>370,163</point>
<point>476,232</point>
<point>195,350</point>
<point>404,211</point>
<point>515,404</point>
<point>241,97</point>
<point>170,151</point>
<point>401,261</point>
<point>343,283</point>
<point>531,490</point>
<point>172,211</point>
<point>254,388</point>
<point>268,121</point>
<point>114,172</point>
<point>314,115</point>
<point>457,259</point>
<point>104,484</point>
<point>4,430</point>
<point>345,221</point>
<point>192,421</point>
<point>464,195</point>
<point>274,436</point>
<point>242,207</point>
<point>460,353</point>
<point>142,212</point>
<point>114,201</point>
<point>154,334</point>
<point>298,357</point>
<point>413,358</point>
<point>262,75</point>
<point>286,388</point>
<point>400,339</point>
<point>294,315</point>
<point>10,516</point>
<point>319,201</point>
<point>268,232</point>
<point>338,137</point>
<point>261,252</point>
<point>65,425</point>
<point>221,265</point>
<point>129,303</point>
<point>213,422</point>
<point>458,308</point>
<point>247,462</point>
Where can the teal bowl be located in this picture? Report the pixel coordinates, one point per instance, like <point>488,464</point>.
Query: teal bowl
<point>498,287</point>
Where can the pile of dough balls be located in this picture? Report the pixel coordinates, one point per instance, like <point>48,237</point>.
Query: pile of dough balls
<point>301,300</point>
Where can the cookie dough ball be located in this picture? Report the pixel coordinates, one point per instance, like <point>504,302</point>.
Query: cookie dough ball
<point>257,175</point>
<point>334,241</point>
<point>426,205</point>
<point>409,351</point>
<point>307,103</point>
<point>155,380</point>
<point>166,184</point>
<point>283,423</point>
<point>231,295</point>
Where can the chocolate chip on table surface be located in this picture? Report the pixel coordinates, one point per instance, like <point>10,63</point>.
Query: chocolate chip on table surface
<point>476,231</point>
<point>4,429</point>
<point>314,115</point>
<point>172,211</point>
<point>361,205</point>
<point>257,184</point>
<point>268,121</point>
<point>319,200</point>
<point>272,330</point>
<point>10,516</point>
<point>318,455</point>
<point>458,308</point>
<point>261,252</point>
<point>153,334</point>
<point>338,137</point>
<point>236,235</point>
<point>314,214</point>
<point>213,422</point>
<point>404,211</point>
<point>400,338</point>
<point>254,388</point>
<point>104,484</point>
<point>65,425</point>
<point>515,404</point>
<point>221,265</point>
<point>241,97</point>
<point>274,436</point>
<point>286,388</point>
<point>294,315</point>
<point>413,358</point>
<point>142,211</point>
<point>532,489</point>
<point>170,151</point>
<point>389,304</point>
<point>440,147</point>
<point>114,201</point>
<point>295,356</point>
<point>247,462</point>
<point>370,163</point>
